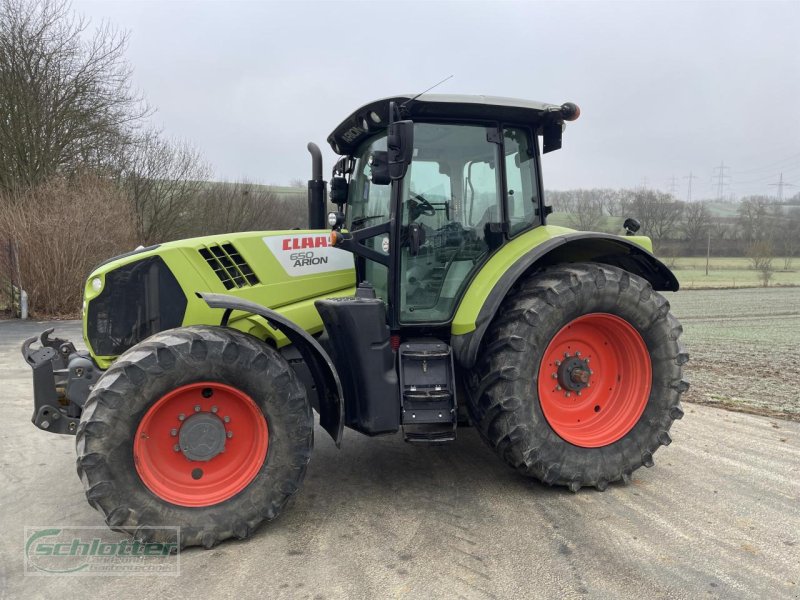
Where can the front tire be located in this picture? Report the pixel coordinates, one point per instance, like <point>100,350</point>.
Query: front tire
<point>203,428</point>
<point>559,333</point>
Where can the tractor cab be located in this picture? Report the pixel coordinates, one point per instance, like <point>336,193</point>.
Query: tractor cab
<point>429,187</point>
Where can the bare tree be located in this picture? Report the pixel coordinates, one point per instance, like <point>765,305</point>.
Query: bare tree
<point>658,212</point>
<point>696,223</point>
<point>224,207</point>
<point>160,178</point>
<point>66,100</point>
<point>789,237</point>
<point>761,254</point>
<point>297,182</point>
<point>752,221</point>
<point>586,210</point>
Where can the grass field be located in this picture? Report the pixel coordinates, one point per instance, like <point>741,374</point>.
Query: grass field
<point>743,348</point>
<point>729,272</point>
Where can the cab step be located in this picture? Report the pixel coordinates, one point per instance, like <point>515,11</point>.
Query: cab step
<point>428,391</point>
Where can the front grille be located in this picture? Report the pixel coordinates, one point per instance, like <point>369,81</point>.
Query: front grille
<point>232,270</point>
<point>138,300</point>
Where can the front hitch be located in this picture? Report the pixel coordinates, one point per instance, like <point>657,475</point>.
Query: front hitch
<point>62,380</point>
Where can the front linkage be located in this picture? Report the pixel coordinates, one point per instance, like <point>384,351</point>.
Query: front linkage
<point>62,381</point>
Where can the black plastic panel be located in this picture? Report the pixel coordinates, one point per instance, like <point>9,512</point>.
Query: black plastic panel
<point>361,350</point>
<point>137,301</point>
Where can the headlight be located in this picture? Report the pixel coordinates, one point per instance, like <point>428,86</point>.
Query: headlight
<point>97,284</point>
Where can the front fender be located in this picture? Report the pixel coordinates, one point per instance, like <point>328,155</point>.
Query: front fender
<point>552,246</point>
<point>329,387</point>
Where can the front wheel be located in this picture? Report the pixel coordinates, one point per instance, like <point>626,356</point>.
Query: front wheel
<point>580,377</point>
<point>202,428</point>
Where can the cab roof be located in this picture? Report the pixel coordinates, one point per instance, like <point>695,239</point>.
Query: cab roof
<point>374,116</point>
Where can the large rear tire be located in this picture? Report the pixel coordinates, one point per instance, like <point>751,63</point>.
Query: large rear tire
<point>579,376</point>
<point>202,428</point>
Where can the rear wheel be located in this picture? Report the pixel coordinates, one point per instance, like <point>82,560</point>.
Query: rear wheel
<point>579,378</point>
<point>202,428</point>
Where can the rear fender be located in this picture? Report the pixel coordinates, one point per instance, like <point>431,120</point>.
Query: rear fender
<point>481,302</point>
<point>329,388</point>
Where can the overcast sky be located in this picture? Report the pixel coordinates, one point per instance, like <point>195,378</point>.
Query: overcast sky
<point>665,89</point>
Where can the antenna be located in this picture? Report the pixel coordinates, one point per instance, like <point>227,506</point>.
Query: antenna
<point>403,105</point>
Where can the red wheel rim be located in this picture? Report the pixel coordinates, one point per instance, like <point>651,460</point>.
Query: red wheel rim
<point>200,444</point>
<point>595,380</point>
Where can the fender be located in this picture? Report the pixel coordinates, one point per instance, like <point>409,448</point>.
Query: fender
<point>329,387</point>
<point>608,249</point>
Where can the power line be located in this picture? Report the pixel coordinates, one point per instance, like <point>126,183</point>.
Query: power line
<point>722,179</point>
<point>690,176</point>
<point>775,164</point>
<point>780,185</point>
<point>673,186</point>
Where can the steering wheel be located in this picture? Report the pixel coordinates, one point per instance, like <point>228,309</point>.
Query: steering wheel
<point>418,206</point>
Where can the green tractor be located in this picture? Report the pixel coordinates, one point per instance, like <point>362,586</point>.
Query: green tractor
<point>436,296</point>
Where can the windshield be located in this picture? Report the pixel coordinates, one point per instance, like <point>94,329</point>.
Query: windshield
<point>367,204</point>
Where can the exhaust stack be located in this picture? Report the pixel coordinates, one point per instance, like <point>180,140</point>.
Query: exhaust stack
<point>316,190</point>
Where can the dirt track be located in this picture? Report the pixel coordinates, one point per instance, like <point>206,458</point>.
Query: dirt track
<point>718,516</point>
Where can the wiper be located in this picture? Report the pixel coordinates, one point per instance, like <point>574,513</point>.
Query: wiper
<point>362,220</point>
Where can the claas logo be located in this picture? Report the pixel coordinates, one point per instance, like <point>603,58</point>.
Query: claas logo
<point>301,243</point>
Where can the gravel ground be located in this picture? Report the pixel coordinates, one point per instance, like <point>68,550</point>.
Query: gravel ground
<point>718,516</point>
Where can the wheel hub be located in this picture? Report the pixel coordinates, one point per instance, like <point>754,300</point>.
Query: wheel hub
<point>202,437</point>
<point>573,373</point>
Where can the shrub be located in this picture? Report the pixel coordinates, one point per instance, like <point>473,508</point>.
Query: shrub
<point>61,230</point>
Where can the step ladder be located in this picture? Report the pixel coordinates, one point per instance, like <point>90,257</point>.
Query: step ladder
<point>428,391</point>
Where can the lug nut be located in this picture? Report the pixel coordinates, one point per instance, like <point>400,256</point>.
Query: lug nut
<point>558,387</point>
<point>566,394</point>
<point>176,448</point>
<point>226,418</point>
<point>173,432</point>
<point>196,408</point>
<point>181,417</point>
<point>558,363</point>
<point>578,393</point>
<point>214,409</point>
<point>230,434</point>
<point>577,354</point>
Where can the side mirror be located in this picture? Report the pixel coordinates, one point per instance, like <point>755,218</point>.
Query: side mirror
<point>339,190</point>
<point>378,163</point>
<point>400,145</point>
<point>551,133</point>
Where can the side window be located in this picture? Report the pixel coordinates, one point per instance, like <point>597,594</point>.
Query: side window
<point>520,190</point>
